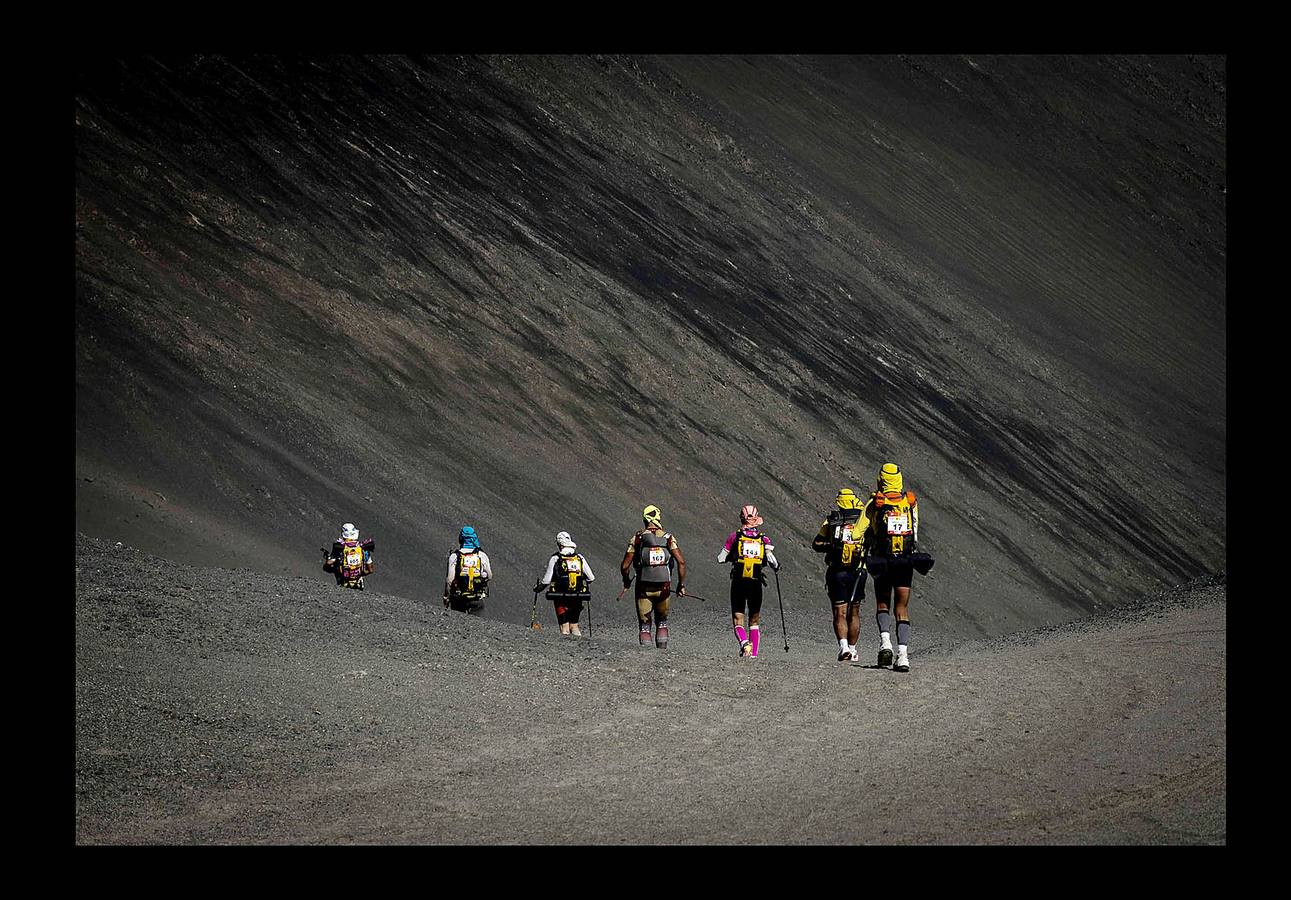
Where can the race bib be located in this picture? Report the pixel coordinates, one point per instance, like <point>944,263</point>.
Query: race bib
<point>573,565</point>
<point>750,550</point>
<point>353,557</point>
<point>899,523</point>
<point>471,564</point>
<point>656,556</point>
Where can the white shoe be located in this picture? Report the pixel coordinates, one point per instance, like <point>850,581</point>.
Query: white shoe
<point>902,663</point>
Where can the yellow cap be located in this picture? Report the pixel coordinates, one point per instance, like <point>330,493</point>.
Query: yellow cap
<point>847,499</point>
<point>890,478</point>
<point>652,515</point>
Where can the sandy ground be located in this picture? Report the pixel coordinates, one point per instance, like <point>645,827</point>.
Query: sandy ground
<point>220,706</point>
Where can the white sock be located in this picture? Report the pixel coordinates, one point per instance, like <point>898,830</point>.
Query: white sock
<point>842,644</point>
<point>852,649</point>
<point>885,640</point>
<point>902,649</point>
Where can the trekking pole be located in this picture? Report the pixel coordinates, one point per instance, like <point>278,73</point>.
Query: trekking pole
<point>688,595</point>
<point>783,630</point>
<point>533,619</point>
<point>588,601</point>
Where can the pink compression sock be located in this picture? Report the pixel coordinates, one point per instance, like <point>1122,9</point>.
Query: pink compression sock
<point>754,633</point>
<point>739,633</point>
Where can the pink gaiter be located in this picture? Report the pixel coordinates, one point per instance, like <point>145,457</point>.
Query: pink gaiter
<point>754,633</point>
<point>739,633</point>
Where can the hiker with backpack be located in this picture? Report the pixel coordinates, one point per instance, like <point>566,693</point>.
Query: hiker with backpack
<point>350,559</point>
<point>840,538</point>
<point>748,550</point>
<point>892,557</point>
<point>568,579</point>
<point>653,553</point>
<point>466,586</point>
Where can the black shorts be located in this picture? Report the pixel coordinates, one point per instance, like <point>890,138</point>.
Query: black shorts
<point>653,590</point>
<point>898,573</point>
<point>471,606</point>
<point>842,585</point>
<point>746,592</point>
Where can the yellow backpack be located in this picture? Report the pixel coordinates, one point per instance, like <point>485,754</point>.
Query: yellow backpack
<point>569,577</point>
<point>893,525</point>
<point>750,555</point>
<point>470,578</point>
<point>846,536</point>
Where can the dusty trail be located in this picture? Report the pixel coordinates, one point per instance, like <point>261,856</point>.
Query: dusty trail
<point>327,718</point>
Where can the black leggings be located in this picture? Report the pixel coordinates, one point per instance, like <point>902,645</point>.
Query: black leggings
<point>746,592</point>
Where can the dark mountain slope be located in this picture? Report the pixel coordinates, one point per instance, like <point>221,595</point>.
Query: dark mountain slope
<point>536,294</point>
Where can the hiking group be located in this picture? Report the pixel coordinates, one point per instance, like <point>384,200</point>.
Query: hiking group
<point>875,538</point>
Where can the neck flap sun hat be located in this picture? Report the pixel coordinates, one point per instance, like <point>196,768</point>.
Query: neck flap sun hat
<point>349,532</point>
<point>749,517</point>
<point>565,542</point>
<point>652,515</point>
<point>890,478</point>
<point>847,499</point>
<point>467,539</point>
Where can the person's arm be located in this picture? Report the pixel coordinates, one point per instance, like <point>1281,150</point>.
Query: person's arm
<point>448,578</point>
<point>771,553</point>
<point>820,543</point>
<point>485,567</point>
<point>869,526</point>
<point>587,570</point>
<point>914,520</point>
<point>546,576</point>
<point>681,566</point>
<point>626,566</point>
<point>726,548</point>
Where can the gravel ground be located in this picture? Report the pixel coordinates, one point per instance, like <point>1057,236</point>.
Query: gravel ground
<point>220,706</point>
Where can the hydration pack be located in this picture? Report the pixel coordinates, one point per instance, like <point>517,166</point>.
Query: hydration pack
<point>750,556</point>
<point>845,537</point>
<point>568,576</point>
<point>469,580</point>
<point>353,559</point>
<point>653,558</point>
<point>894,522</point>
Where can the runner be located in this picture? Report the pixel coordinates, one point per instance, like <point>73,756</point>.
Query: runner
<point>568,580</point>
<point>653,553</point>
<point>893,516</point>
<point>840,539</point>
<point>752,550</point>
